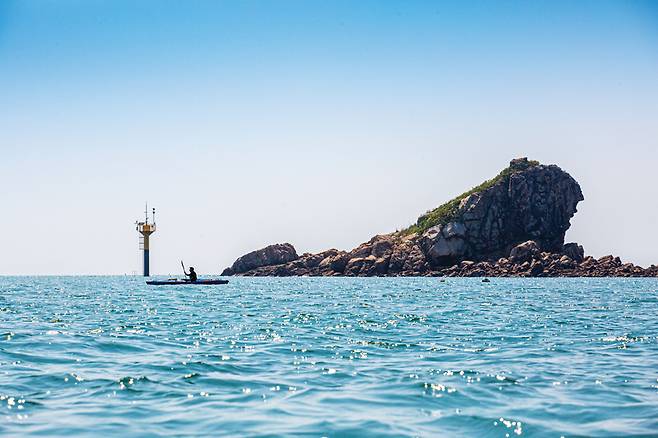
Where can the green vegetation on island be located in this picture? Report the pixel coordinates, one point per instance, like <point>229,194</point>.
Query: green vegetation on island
<point>447,212</point>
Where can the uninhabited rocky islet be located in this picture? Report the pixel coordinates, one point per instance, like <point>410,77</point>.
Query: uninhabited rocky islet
<point>510,226</point>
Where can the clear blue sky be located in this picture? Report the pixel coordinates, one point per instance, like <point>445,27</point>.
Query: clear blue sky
<point>319,123</point>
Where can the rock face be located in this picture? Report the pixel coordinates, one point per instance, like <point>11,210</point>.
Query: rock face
<point>535,203</point>
<point>268,256</point>
<point>512,225</point>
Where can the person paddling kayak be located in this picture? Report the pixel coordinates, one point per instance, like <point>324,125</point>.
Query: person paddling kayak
<point>191,275</point>
<point>190,280</point>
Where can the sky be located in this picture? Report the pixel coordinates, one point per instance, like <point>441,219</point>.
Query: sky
<point>247,123</point>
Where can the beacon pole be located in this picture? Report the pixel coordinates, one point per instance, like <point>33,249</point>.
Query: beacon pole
<point>145,230</point>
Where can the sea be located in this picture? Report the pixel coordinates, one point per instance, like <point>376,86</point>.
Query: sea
<point>329,357</point>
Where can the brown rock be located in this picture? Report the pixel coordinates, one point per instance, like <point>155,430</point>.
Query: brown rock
<point>574,251</point>
<point>524,252</point>
<point>268,256</point>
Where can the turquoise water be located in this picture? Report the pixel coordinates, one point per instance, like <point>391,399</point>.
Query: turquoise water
<point>329,357</point>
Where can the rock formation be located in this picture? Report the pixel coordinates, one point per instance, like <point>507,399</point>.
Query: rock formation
<point>268,256</point>
<point>527,201</point>
<point>511,225</point>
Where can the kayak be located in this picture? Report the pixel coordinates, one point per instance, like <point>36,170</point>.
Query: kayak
<point>185,283</point>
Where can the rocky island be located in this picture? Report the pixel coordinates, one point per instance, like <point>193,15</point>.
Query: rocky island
<point>512,226</point>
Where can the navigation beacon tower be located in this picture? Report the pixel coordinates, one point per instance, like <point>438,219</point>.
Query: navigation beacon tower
<point>146,229</point>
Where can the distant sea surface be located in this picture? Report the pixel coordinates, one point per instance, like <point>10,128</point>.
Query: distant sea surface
<point>110,356</point>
